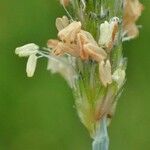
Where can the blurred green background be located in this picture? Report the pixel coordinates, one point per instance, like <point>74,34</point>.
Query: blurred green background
<point>38,113</point>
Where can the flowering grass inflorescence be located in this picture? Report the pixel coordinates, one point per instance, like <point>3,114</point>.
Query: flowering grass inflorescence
<point>88,54</point>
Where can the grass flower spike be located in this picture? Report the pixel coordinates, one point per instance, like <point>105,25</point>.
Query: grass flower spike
<point>88,54</point>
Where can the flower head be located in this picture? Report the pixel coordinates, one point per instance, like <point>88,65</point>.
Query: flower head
<point>88,54</point>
